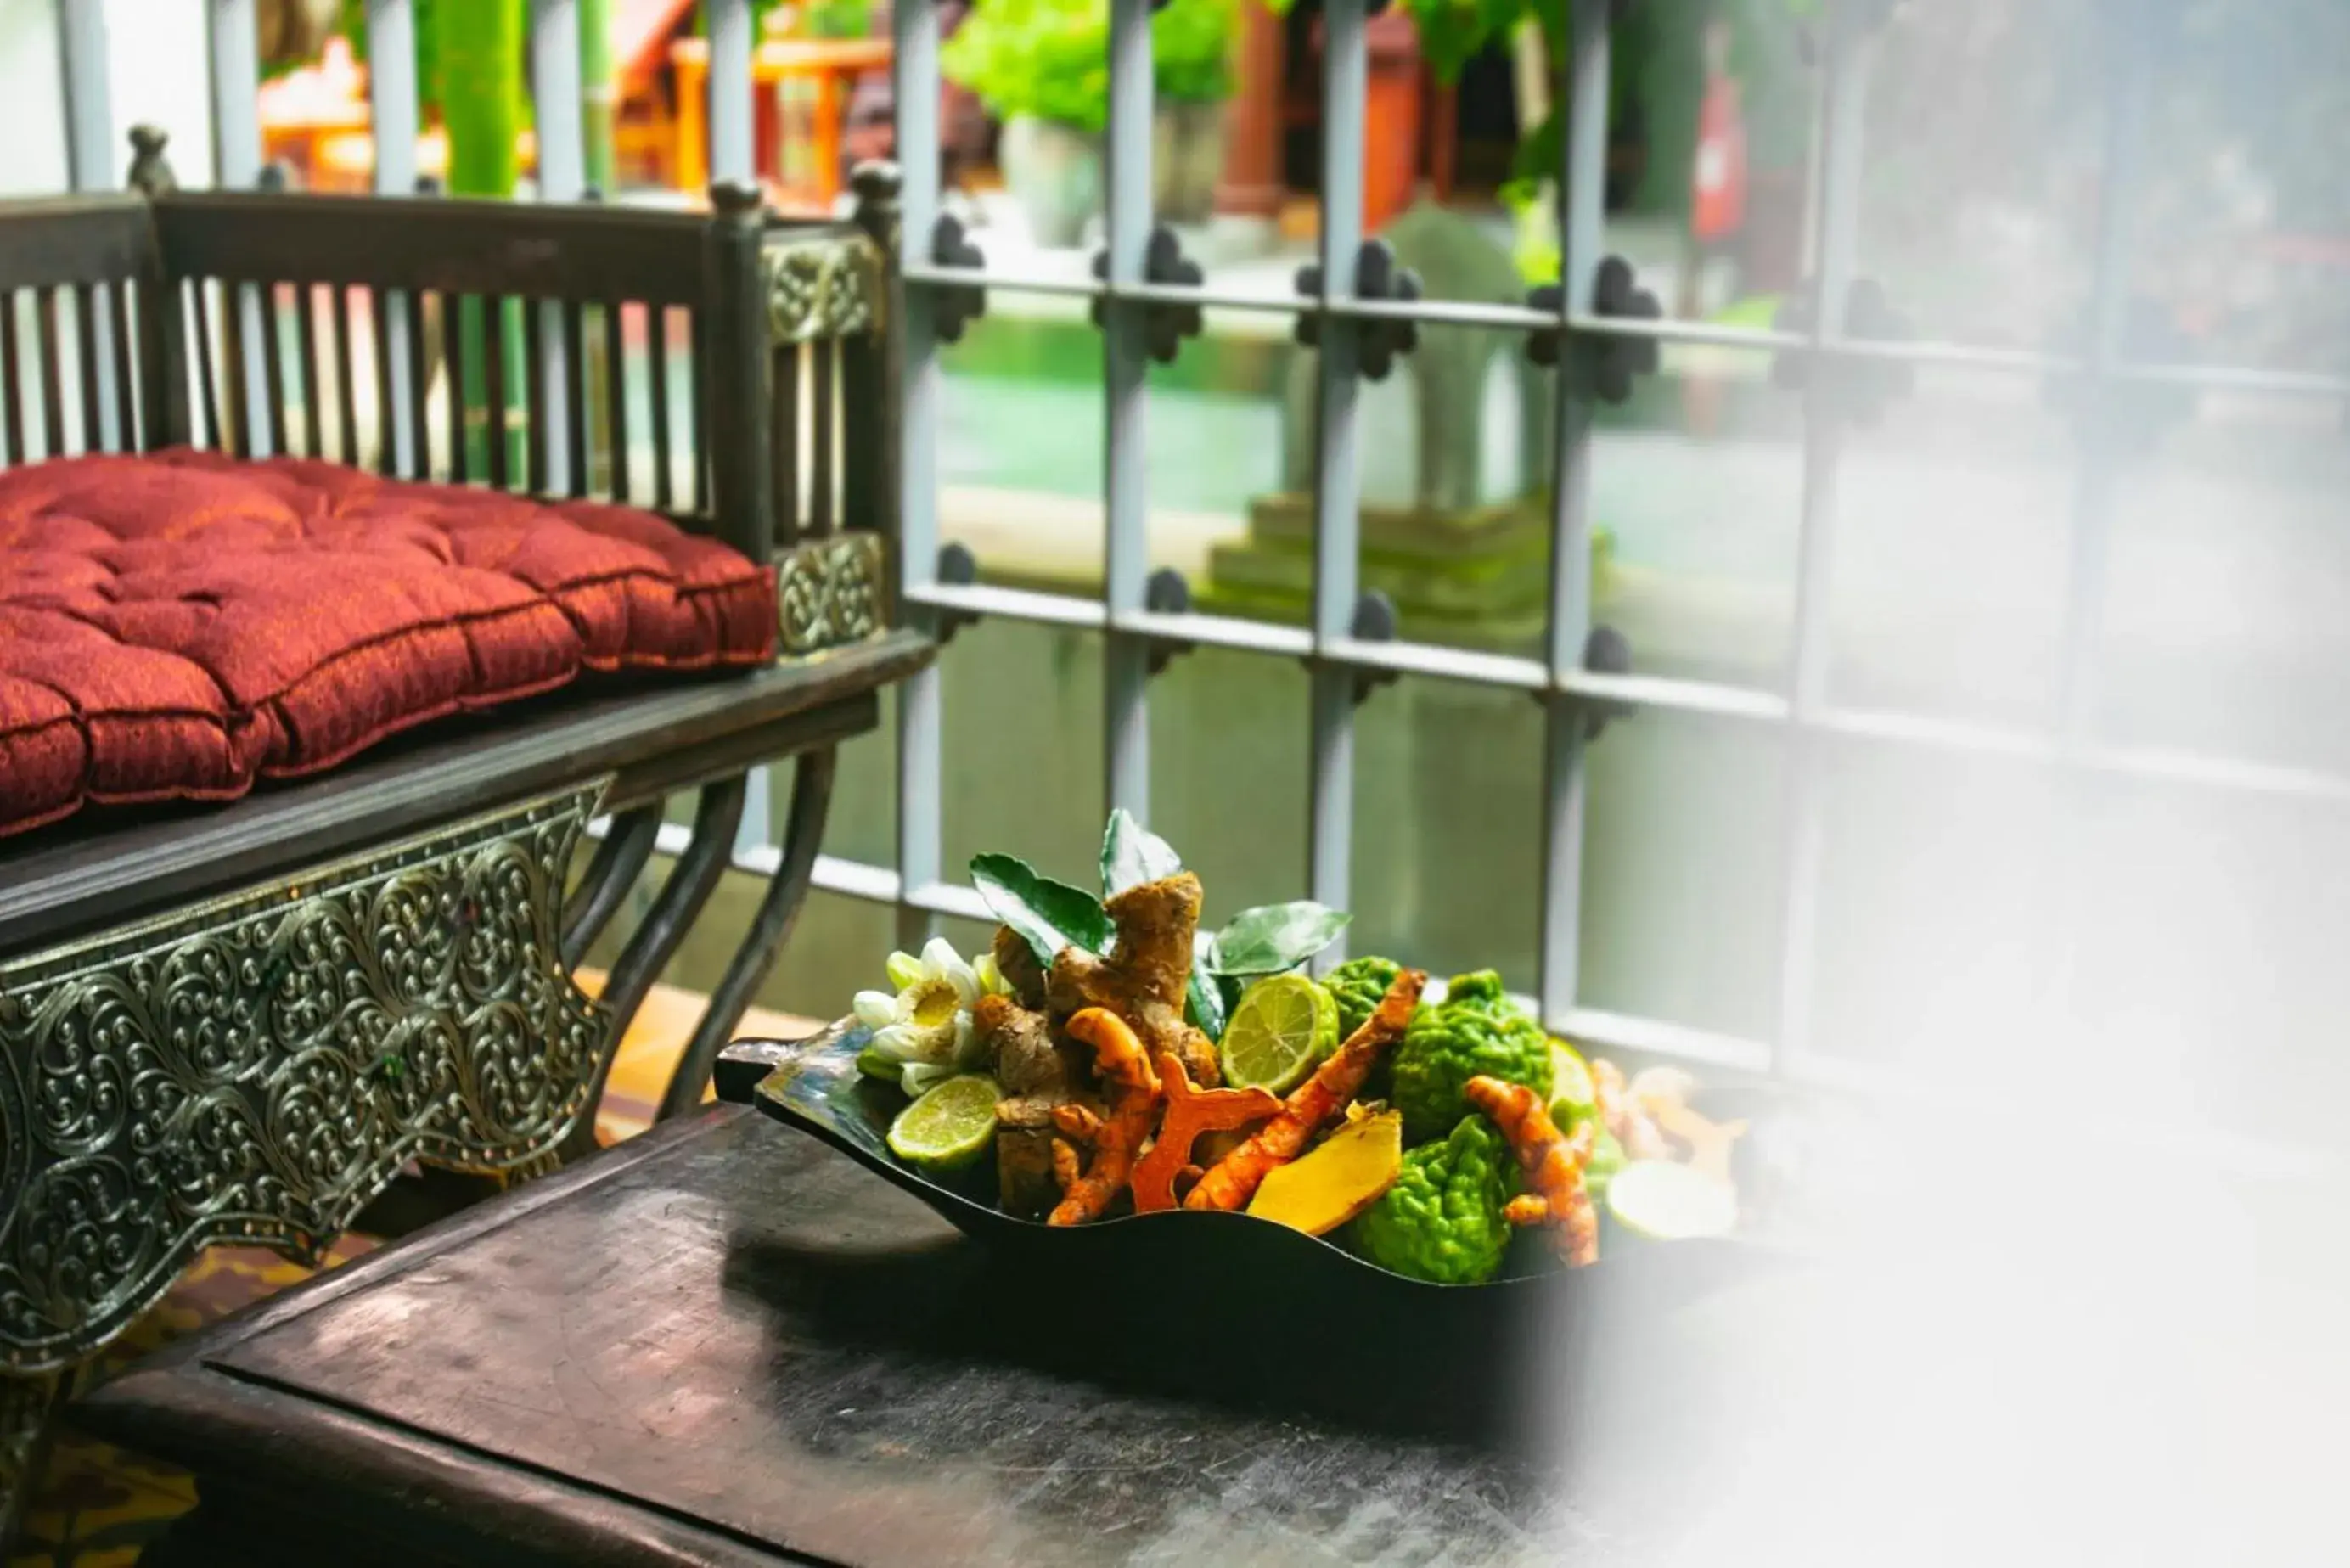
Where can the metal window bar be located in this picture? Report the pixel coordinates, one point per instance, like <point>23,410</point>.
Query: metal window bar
<point>90,154</point>
<point>1582,178</point>
<point>919,889</point>
<point>1843,97</point>
<point>921,748</point>
<point>555,65</point>
<point>732,157</point>
<point>392,109</point>
<point>1126,658</point>
<point>1338,498</point>
<point>2132,48</point>
<point>236,159</point>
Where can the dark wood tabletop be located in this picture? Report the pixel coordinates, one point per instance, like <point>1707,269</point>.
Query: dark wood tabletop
<point>724,1344</point>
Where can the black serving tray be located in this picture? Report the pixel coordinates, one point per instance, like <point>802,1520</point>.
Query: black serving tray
<point>1229,1306</point>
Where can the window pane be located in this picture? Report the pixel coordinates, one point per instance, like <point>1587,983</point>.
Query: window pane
<point>2224,629</point>
<point>1682,872</point>
<point>1022,750</point>
<point>1953,548</point>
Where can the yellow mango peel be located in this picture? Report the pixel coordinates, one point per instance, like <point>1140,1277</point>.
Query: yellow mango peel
<point>1325,1188</point>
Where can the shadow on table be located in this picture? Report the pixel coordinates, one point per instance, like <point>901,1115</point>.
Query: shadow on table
<point>1502,1372</point>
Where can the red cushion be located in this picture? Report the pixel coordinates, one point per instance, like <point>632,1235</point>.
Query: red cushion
<point>174,626</point>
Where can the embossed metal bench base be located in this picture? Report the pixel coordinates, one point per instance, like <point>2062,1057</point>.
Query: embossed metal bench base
<point>255,1068</point>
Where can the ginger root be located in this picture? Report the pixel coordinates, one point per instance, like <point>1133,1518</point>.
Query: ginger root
<point>1190,1111</point>
<point>1552,1162</point>
<point>1624,1115</point>
<point>1132,1093</point>
<point>1143,979</point>
<point>1662,1095</point>
<point>1016,962</point>
<point>1038,1075</point>
<point>1234,1178</point>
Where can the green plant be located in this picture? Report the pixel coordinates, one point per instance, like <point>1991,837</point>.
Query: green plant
<point>1049,59</point>
<point>836,18</point>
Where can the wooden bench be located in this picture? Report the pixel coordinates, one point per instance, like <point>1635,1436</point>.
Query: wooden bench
<point>239,1022</point>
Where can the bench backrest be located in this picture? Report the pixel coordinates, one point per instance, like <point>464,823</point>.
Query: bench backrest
<point>71,272</point>
<point>579,349</point>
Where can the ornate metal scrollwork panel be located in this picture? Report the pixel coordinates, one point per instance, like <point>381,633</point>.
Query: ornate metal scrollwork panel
<point>257,1068</point>
<point>825,285</point>
<point>831,592</point>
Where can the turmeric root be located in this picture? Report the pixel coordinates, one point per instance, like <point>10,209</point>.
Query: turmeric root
<point>1143,979</point>
<point>1190,1111</point>
<point>1552,1162</point>
<point>1132,1092</point>
<point>1234,1178</point>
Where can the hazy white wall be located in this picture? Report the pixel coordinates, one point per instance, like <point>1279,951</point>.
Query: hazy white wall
<point>32,104</point>
<point>160,74</point>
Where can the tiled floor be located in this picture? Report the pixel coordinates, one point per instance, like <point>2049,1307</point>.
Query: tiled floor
<point>101,1506</point>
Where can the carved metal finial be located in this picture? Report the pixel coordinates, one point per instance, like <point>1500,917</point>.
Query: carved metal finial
<point>151,171</point>
<point>877,182</point>
<point>876,185</point>
<point>1376,277</point>
<point>735,198</point>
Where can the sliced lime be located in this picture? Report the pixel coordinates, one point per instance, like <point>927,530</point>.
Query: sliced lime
<point>948,1128</point>
<point>1283,1025</point>
<point>876,1063</point>
<point>1667,1201</point>
<point>1571,1093</point>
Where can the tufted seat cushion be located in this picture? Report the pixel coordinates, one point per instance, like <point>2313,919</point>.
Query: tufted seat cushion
<point>174,626</point>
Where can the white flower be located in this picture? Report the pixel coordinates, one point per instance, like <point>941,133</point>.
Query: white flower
<point>919,1077</point>
<point>926,1023</point>
<point>991,979</point>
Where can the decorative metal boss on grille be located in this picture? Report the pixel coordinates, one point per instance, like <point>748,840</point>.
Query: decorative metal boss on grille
<point>1377,276</point>
<point>954,306</point>
<point>1164,325</point>
<point>1616,295</point>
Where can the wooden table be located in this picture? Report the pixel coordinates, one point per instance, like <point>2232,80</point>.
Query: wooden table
<point>723,1344</point>
<point>833,65</point>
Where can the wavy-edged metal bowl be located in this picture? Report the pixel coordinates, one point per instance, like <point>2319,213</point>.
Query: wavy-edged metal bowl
<point>1443,1353</point>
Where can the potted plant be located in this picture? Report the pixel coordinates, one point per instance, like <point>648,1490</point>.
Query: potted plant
<point>1042,67</point>
<point>1191,58</point>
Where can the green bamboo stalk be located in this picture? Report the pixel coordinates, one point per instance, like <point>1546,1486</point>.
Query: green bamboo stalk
<point>598,92</point>
<point>481,78</point>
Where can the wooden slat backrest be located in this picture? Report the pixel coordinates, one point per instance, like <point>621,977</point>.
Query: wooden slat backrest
<point>73,273</point>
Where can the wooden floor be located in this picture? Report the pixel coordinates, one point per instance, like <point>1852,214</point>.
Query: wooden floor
<point>101,1506</point>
